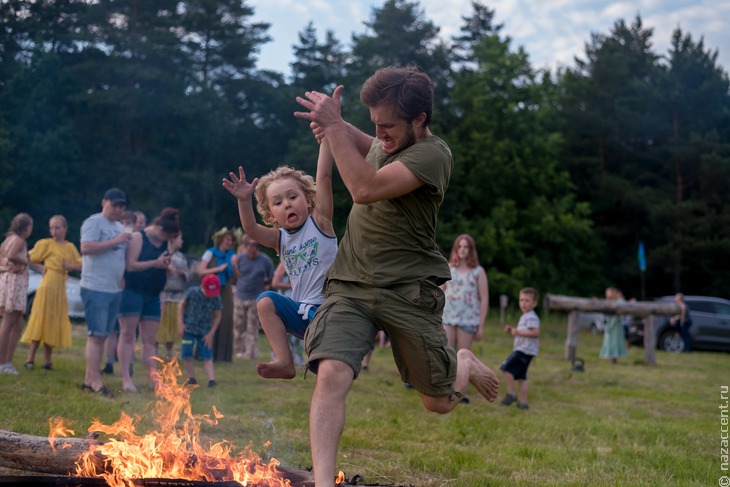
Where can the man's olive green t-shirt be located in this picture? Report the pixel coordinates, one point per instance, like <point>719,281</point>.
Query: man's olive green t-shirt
<point>393,241</point>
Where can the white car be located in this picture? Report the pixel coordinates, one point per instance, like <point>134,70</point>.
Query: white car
<point>73,294</point>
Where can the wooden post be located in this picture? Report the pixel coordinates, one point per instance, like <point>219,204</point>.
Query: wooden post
<point>571,342</point>
<point>650,340</point>
<point>503,301</point>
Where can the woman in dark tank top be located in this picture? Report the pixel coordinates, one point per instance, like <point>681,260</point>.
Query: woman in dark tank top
<point>147,260</point>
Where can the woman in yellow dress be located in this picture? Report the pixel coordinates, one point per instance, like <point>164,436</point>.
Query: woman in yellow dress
<point>49,323</point>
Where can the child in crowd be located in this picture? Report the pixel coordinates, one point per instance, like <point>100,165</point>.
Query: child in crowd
<point>525,347</point>
<point>140,221</point>
<point>198,318</point>
<point>48,322</point>
<point>174,291</point>
<point>302,233</point>
<point>13,287</point>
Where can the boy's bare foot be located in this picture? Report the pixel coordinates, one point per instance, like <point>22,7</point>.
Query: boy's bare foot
<point>480,376</point>
<point>276,370</point>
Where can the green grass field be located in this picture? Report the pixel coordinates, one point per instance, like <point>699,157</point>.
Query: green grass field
<point>623,424</point>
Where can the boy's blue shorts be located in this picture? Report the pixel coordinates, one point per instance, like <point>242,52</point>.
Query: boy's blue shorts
<point>295,315</point>
<point>187,347</point>
<point>517,364</point>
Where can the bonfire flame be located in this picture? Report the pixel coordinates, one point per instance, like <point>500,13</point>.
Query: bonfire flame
<point>57,428</point>
<point>175,450</point>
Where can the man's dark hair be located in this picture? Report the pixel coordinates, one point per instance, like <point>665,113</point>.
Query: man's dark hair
<point>407,90</point>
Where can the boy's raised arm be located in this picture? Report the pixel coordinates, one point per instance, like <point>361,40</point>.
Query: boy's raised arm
<point>243,191</point>
<point>325,205</point>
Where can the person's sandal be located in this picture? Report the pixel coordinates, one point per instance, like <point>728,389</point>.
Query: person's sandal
<point>48,366</point>
<point>29,366</point>
<point>103,391</point>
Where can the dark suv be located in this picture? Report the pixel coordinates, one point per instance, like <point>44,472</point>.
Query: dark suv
<point>710,328</point>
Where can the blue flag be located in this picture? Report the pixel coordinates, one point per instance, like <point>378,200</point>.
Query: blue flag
<point>641,256</point>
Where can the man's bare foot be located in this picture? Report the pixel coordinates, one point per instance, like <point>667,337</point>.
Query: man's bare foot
<point>480,376</point>
<point>276,370</point>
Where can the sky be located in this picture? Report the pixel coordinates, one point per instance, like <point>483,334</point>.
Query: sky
<point>552,32</point>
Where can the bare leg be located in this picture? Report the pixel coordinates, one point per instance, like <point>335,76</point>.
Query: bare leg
<point>4,336</point>
<point>32,351</point>
<point>189,368</point>
<point>327,418</point>
<point>469,370</point>
<point>523,391</point>
<point>464,339</point>
<point>47,355</point>
<point>110,346</point>
<point>148,333</point>
<point>125,348</point>
<point>383,339</point>
<point>208,366</point>
<point>15,332</point>
<point>94,351</point>
<point>509,381</point>
<point>283,366</point>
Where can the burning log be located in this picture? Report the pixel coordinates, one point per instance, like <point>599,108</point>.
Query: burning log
<point>37,454</point>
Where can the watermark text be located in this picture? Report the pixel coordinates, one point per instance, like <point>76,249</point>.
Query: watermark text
<point>724,480</point>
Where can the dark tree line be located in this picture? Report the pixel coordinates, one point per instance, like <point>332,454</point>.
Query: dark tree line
<point>558,175</point>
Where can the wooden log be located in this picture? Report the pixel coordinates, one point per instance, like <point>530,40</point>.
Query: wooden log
<point>34,453</point>
<point>635,308</point>
<point>27,453</point>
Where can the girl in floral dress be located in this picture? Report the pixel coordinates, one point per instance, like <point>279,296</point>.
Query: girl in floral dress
<point>13,287</point>
<point>467,295</point>
<point>49,323</point>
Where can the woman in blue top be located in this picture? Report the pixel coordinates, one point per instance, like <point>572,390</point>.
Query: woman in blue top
<point>217,260</point>
<point>145,275</point>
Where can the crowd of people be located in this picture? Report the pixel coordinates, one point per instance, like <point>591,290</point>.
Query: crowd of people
<point>136,290</point>
<point>384,280</point>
